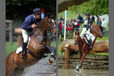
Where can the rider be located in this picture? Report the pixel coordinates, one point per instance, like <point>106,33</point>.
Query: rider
<point>28,25</point>
<point>87,24</point>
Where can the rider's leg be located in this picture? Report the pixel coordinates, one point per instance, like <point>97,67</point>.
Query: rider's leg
<point>83,32</point>
<point>91,38</point>
<point>25,41</point>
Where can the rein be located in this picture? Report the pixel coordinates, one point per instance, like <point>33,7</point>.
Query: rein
<point>30,52</point>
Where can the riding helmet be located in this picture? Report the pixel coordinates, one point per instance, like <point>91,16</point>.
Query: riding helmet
<point>37,11</point>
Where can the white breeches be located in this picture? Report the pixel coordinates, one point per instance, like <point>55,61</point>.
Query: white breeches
<point>89,35</point>
<point>25,36</point>
<point>83,32</point>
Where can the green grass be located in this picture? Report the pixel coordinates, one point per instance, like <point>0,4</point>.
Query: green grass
<point>10,48</point>
<point>59,48</point>
<point>99,54</point>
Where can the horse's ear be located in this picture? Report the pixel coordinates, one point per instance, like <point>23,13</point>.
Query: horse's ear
<point>51,17</point>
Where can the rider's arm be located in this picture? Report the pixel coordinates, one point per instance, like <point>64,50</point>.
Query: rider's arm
<point>27,24</point>
<point>89,24</point>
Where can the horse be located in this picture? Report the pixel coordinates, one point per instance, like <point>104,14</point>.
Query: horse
<point>83,47</point>
<point>37,47</point>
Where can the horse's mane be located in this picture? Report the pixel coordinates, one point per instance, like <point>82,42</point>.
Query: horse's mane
<point>39,25</point>
<point>101,28</point>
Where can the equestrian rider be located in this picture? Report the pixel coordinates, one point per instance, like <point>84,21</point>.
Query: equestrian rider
<point>86,28</point>
<point>28,25</point>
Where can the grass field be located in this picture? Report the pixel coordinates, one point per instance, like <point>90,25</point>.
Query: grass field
<point>10,48</point>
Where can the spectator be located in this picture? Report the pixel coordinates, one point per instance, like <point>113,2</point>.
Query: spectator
<point>80,18</point>
<point>60,28</point>
<point>99,22</point>
<point>76,25</point>
<point>93,19</point>
<point>61,18</point>
<point>104,23</point>
<point>71,20</point>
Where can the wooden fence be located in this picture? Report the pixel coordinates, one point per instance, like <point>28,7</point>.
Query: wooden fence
<point>9,29</point>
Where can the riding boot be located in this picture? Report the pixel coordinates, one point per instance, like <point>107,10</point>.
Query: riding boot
<point>90,44</point>
<point>24,50</point>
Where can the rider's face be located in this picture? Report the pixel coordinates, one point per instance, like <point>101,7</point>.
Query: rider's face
<point>37,16</point>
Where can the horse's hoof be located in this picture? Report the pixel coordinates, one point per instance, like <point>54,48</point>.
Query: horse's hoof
<point>77,70</point>
<point>51,60</point>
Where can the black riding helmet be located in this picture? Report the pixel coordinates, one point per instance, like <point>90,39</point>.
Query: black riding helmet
<point>37,11</point>
<point>87,14</point>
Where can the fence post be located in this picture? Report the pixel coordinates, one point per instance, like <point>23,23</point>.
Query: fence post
<point>10,33</point>
<point>66,58</point>
<point>65,25</point>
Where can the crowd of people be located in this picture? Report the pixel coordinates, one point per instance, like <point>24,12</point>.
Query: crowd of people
<point>75,24</point>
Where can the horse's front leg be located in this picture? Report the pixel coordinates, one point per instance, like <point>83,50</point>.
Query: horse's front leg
<point>85,52</point>
<point>79,66</point>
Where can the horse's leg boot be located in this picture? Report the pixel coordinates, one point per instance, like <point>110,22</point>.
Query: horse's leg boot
<point>24,50</point>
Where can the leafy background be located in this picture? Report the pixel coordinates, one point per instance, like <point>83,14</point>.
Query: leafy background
<point>95,7</point>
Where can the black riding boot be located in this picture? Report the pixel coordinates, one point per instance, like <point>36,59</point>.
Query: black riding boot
<point>24,50</point>
<point>90,44</point>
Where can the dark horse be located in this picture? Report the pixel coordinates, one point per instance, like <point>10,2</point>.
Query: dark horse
<point>37,47</point>
<point>83,46</point>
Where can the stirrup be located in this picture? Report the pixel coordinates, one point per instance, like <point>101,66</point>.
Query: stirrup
<point>51,59</point>
<point>24,55</point>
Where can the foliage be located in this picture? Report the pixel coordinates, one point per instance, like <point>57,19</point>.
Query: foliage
<point>95,7</point>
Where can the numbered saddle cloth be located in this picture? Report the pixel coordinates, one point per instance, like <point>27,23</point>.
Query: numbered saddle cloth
<point>89,35</point>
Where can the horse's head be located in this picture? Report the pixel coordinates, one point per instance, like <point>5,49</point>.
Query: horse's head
<point>48,24</point>
<point>77,37</point>
<point>96,30</point>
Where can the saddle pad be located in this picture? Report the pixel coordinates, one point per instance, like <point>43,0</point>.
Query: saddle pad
<point>19,50</point>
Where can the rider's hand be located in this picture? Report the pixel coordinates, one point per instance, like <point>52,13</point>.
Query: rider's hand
<point>33,25</point>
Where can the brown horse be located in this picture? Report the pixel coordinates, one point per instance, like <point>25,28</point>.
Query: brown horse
<point>37,48</point>
<point>83,46</point>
